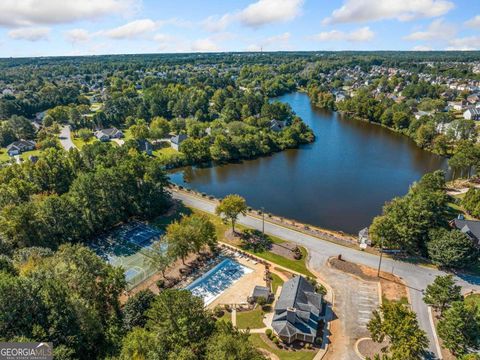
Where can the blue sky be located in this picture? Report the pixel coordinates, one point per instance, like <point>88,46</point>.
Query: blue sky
<point>85,27</point>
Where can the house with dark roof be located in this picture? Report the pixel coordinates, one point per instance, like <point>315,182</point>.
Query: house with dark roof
<point>472,114</point>
<point>20,146</point>
<point>277,125</point>
<point>471,228</point>
<point>177,140</point>
<point>108,134</point>
<point>298,311</point>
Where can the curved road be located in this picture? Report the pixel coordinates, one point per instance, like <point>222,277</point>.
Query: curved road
<point>416,277</point>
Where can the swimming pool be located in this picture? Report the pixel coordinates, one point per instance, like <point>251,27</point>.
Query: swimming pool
<point>215,281</point>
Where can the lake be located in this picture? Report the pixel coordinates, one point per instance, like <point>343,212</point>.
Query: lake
<point>339,182</point>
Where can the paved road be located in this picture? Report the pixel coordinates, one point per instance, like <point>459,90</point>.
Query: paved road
<point>65,138</point>
<point>416,277</point>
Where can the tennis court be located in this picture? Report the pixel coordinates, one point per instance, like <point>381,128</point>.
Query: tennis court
<point>130,246</point>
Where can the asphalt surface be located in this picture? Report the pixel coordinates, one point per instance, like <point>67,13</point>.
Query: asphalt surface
<point>416,277</point>
<point>65,138</point>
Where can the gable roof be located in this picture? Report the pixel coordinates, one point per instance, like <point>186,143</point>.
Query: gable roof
<point>178,139</point>
<point>469,227</point>
<point>20,145</point>
<point>298,308</point>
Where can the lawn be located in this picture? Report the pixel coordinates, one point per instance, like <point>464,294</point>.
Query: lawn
<point>252,319</point>
<point>258,342</point>
<point>276,282</point>
<point>295,265</point>
<point>24,156</point>
<point>79,143</point>
<point>4,157</point>
<point>473,299</point>
<point>167,153</point>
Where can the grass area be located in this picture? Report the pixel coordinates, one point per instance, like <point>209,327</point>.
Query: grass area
<point>258,342</point>
<point>227,317</point>
<point>295,265</point>
<point>79,143</point>
<point>473,299</point>
<point>4,157</point>
<point>96,106</point>
<point>167,153</point>
<point>276,282</point>
<point>252,319</point>
<point>24,156</point>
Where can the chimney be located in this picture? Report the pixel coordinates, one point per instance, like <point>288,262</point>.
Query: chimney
<point>291,314</point>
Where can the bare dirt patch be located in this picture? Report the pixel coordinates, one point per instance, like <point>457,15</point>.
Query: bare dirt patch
<point>393,288</point>
<point>369,348</point>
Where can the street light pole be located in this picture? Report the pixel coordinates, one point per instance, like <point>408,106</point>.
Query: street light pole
<point>381,255</point>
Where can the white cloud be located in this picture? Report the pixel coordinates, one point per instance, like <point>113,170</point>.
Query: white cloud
<point>265,12</point>
<point>132,29</point>
<point>30,34</point>
<point>356,11</point>
<point>276,42</point>
<point>217,23</point>
<point>34,12</point>
<point>474,22</point>
<point>77,35</point>
<point>204,45</point>
<point>359,35</point>
<point>465,43</point>
<point>422,48</point>
<point>437,30</point>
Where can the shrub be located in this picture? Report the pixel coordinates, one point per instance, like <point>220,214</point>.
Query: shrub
<point>276,341</point>
<point>218,311</point>
<point>160,283</point>
<point>269,333</point>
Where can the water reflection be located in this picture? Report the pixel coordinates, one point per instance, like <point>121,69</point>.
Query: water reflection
<point>340,182</point>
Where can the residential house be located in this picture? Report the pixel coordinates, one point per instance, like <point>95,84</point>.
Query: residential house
<point>472,114</point>
<point>108,134</point>
<point>469,227</point>
<point>298,311</point>
<point>421,113</point>
<point>177,140</point>
<point>473,99</point>
<point>145,146</point>
<point>456,105</point>
<point>277,125</point>
<point>18,147</point>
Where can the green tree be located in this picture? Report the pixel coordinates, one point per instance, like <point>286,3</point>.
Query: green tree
<point>134,310</point>
<point>230,343</point>
<point>231,207</point>
<point>179,320</point>
<point>451,249</point>
<point>460,328</point>
<point>395,322</point>
<point>160,258</point>
<point>85,134</point>
<point>159,128</point>
<point>442,293</point>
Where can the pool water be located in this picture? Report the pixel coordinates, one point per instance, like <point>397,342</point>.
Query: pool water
<point>214,282</point>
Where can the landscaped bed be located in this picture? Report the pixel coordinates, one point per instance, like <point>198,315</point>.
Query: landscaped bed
<point>261,341</point>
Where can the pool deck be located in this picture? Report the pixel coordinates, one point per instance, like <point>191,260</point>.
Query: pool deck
<point>243,288</point>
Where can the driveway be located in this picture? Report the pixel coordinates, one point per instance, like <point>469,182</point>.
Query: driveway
<point>416,277</point>
<point>65,138</point>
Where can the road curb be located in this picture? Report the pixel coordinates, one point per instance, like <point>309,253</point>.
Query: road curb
<point>355,347</point>
<point>434,330</point>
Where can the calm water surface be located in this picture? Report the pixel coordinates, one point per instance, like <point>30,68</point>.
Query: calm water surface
<point>340,182</point>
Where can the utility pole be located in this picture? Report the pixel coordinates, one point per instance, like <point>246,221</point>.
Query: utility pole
<point>263,221</point>
<point>380,261</point>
